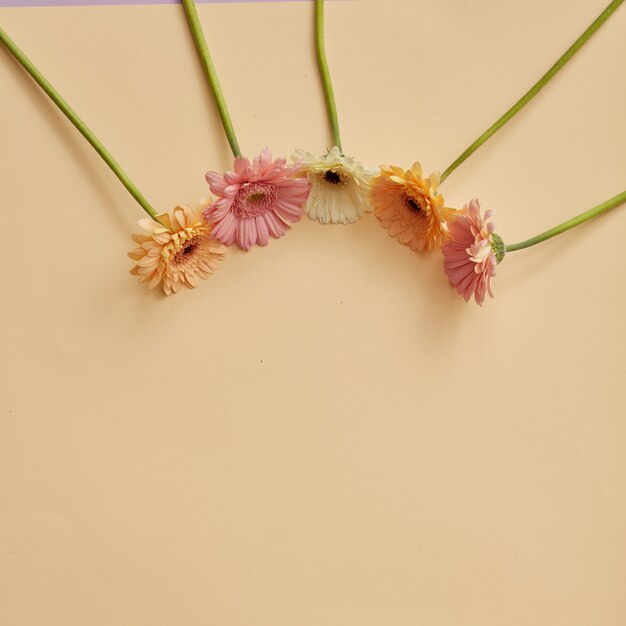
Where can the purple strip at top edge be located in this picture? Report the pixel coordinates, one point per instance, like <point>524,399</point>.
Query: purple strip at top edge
<point>77,3</point>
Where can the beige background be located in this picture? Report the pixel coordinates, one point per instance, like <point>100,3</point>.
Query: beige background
<point>323,433</point>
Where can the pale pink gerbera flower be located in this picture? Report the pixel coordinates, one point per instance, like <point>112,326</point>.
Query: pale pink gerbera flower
<point>176,251</point>
<point>472,253</point>
<point>255,200</point>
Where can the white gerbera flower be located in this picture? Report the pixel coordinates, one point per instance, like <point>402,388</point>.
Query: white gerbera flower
<point>340,187</point>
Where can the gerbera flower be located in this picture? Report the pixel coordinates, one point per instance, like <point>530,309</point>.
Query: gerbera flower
<point>176,252</point>
<point>255,200</point>
<point>409,206</point>
<point>472,253</point>
<point>340,187</point>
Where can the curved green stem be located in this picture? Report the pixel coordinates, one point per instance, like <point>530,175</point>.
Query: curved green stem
<point>210,73</point>
<point>533,91</point>
<point>575,221</point>
<point>322,63</point>
<point>84,130</point>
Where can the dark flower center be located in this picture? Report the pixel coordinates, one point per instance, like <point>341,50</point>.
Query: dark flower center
<point>187,250</point>
<point>413,204</point>
<point>331,177</point>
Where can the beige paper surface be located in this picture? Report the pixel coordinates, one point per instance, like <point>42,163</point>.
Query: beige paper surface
<point>323,433</point>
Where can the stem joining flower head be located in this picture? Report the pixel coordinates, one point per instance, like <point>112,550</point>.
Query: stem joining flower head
<point>498,247</point>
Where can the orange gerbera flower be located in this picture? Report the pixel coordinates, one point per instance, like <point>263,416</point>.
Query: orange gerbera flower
<point>176,251</point>
<point>408,205</point>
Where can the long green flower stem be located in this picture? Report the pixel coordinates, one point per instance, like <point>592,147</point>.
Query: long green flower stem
<point>533,91</point>
<point>322,63</point>
<point>210,73</point>
<point>575,221</point>
<point>84,130</point>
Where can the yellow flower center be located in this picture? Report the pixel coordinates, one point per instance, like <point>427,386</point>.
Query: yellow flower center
<point>255,199</point>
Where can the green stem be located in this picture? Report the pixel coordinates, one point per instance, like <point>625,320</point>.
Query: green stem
<point>531,93</point>
<point>54,95</point>
<point>211,74</point>
<point>575,221</point>
<point>322,63</point>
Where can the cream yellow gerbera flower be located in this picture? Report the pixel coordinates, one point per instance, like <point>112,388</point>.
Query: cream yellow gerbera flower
<point>177,251</point>
<point>339,187</point>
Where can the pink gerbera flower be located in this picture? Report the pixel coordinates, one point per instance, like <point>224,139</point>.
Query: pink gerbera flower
<point>472,253</point>
<point>255,200</point>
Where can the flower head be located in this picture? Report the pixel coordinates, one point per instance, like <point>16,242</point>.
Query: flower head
<point>472,253</point>
<point>175,252</point>
<point>255,200</point>
<point>339,187</point>
<point>409,206</point>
